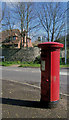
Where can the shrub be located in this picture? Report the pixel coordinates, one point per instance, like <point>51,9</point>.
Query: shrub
<point>18,62</point>
<point>37,60</point>
<point>62,61</point>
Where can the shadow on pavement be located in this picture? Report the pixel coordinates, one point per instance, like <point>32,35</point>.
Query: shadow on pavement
<point>26,103</point>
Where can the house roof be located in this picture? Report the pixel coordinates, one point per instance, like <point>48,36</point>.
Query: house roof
<point>7,33</point>
<point>7,37</point>
<point>12,42</point>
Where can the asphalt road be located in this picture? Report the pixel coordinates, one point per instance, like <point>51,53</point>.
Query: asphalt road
<point>32,76</point>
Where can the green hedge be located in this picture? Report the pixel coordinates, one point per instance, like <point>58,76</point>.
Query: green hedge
<point>62,61</point>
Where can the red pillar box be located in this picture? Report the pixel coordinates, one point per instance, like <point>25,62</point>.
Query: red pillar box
<point>50,64</point>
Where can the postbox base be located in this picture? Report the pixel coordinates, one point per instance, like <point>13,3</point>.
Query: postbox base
<point>50,104</point>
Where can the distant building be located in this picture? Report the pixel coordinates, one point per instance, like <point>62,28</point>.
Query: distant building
<point>12,38</point>
<point>35,43</point>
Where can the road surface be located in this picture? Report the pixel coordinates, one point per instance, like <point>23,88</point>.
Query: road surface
<point>32,76</point>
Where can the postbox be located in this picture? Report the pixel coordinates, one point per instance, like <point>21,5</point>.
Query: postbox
<point>50,64</point>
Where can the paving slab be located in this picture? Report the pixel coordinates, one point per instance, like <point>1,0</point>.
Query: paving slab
<point>23,101</point>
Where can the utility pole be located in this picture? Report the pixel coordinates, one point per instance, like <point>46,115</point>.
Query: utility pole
<point>65,39</point>
<point>65,51</point>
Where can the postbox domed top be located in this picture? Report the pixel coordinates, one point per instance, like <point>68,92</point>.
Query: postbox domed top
<point>45,45</point>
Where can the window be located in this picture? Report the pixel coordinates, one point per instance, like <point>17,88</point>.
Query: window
<point>10,38</point>
<point>16,45</point>
<point>6,40</point>
<point>14,37</point>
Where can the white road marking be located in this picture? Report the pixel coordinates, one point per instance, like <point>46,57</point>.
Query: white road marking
<point>34,86</point>
<point>64,94</point>
<point>25,84</point>
<point>64,73</point>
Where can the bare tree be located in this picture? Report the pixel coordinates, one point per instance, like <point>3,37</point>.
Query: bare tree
<point>2,11</point>
<point>26,17</point>
<point>22,13</point>
<point>8,23</point>
<point>51,17</point>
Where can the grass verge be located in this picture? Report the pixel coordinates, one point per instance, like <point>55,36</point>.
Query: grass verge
<point>30,65</point>
<point>21,64</point>
<point>9,63</point>
<point>64,66</point>
<point>26,64</point>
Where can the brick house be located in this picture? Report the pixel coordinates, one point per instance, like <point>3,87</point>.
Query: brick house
<point>13,39</point>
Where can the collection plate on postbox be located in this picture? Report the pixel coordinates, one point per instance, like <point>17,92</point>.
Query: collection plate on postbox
<point>43,65</point>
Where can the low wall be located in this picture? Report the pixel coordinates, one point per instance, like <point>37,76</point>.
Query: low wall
<point>24,54</point>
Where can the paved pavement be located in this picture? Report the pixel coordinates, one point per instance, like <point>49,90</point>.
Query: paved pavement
<point>23,101</point>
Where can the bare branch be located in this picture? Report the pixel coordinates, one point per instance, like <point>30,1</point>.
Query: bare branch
<point>3,13</point>
<point>50,16</point>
